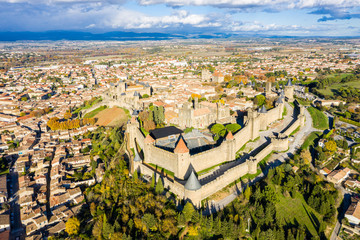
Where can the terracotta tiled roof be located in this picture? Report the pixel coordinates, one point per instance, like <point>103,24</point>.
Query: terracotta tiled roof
<point>201,111</point>
<point>354,208</point>
<point>218,74</point>
<point>149,139</point>
<point>181,147</point>
<point>229,136</point>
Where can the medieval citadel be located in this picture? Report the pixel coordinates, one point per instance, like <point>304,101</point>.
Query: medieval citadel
<point>186,154</point>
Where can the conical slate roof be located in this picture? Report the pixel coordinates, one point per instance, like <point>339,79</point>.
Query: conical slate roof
<point>289,83</point>
<point>135,113</point>
<point>263,109</point>
<point>192,183</point>
<point>282,94</point>
<point>137,158</point>
<point>279,100</point>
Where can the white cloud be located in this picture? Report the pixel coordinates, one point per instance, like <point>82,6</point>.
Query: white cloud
<point>244,4</point>
<point>129,19</point>
<point>260,28</point>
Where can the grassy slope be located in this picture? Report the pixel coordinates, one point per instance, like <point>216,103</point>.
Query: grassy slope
<point>296,210</point>
<point>320,121</point>
<point>310,140</point>
<point>94,112</point>
<point>327,91</point>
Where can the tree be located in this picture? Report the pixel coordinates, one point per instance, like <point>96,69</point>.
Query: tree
<point>306,156</point>
<point>152,185</point>
<point>135,176</point>
<point>347,115</point>
<point>218,129</point>
<point>72,226</point>
<point>227,78</point>
<point>233,127</point>
<point>149,221</point>
<point>67,115</point>
<point>188,211</point>
<point>271,79</point>
<point>159,116</point>
<point>330,146</point>
<point>93,209</point>
<point>193,230</point>
<point>247,193</point>
<point>277,87</point>
<point>159,186</point>
<point>259,100</point>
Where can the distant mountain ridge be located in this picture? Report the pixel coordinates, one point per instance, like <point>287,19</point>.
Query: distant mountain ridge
<point>131,36</point>
<point>77,35</point>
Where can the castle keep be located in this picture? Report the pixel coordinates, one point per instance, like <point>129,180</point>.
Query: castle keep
<point>126,94</point>
<point>201,115</point>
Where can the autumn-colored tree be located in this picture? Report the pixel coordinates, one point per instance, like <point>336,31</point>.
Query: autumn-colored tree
<point>149,125</point>
<point>193,230</point>
<point>194,95</point>
<point>93,209</point>
<point>227,78</point>
<point>330,146</point>
<point>67,115</point>
<point>72,226</point>
<point>144,115</point>
<point>305,155</point>
<point>54,123</point>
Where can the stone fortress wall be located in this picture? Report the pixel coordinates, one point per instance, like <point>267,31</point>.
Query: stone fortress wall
<point>225,152</point>
<point>183,163</point>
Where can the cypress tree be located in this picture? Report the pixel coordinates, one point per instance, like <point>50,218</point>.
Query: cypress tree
<point>135,176</point>
<point>159,187</point>
<point>152,185</point>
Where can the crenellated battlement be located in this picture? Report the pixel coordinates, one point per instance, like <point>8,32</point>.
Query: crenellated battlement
<point>185,165</point>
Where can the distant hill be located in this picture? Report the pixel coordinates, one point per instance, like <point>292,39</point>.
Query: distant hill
<point>76,35</point>
<point>133,36</point>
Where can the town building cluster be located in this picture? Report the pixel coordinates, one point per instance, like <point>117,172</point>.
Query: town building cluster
<point>40,184</point>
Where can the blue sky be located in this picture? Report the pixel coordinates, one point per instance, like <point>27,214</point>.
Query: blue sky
<point>272,17</point>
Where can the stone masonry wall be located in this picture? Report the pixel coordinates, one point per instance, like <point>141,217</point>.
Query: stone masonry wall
<point>213,157</point>
<point>242,136</point>
<point>293,127</point>
<point>210,157</point>
<point>162,158</point>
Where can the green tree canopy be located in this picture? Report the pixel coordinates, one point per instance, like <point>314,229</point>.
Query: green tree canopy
<point>233,127</point>
<point>259,100</point>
